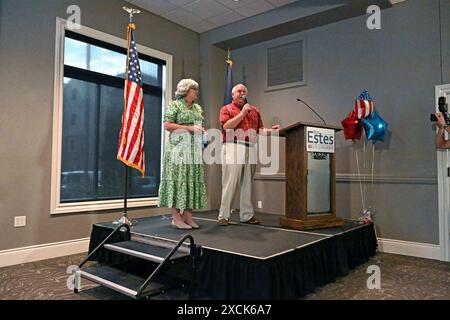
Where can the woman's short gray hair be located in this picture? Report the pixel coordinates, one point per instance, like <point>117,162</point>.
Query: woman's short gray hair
<point>184,86</point>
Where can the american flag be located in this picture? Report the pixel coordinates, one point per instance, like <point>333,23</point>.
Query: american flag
<point>131,138</point>
<point>364,105</point>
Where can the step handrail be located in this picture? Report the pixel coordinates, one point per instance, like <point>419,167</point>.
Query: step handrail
<point>104,241</point>
<point>166,259</point>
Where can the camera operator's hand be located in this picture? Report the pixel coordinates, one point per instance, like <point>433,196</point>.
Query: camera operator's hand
<point>441,120</point>
<point>440,140</point>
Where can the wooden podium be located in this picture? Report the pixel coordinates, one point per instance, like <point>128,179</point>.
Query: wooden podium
<point>310,176</point>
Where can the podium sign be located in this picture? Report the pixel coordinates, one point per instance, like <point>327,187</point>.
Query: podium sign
<point>310,176</point>
<point>319,140</point>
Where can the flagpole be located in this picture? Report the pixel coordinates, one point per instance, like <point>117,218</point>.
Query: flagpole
<point>124,219</point>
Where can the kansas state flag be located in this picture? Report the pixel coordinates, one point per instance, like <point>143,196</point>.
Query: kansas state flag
<point>229,85</point>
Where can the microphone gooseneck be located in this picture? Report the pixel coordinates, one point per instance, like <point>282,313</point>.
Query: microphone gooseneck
<point>300,100</point>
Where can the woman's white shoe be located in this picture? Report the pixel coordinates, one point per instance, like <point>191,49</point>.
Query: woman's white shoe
<point>192,224</point>
<point>180,225</point>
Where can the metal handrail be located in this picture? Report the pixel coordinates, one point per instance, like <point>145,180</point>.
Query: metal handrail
<point>104,241</point>
<point>166,259</point>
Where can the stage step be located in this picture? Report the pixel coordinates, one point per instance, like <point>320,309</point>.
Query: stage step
<point>124,278</point>
<point>164,243</point>
<point>127,283</point>
<point>146,251</point>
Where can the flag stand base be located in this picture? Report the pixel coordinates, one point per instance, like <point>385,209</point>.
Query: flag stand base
<point>125,220</point>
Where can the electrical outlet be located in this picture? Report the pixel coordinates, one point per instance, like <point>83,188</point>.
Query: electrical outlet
<point>259,204</point>
<point>20,221</point>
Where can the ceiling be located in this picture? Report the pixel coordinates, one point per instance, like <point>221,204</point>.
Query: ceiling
<point>204,15</point>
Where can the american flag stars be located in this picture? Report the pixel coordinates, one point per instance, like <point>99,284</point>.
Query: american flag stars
<point>134,73</point>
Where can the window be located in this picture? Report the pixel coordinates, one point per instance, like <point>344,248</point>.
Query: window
<point>286,65</point>
<point>88,109</point>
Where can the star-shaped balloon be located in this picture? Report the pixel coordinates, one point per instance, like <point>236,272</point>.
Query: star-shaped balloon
<point>375,127</point>
<point>352,127</point>
<point>364,105</point>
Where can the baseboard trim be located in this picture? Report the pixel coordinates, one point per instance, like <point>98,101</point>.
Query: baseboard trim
<point>367,178</point>
<point>363,178</point>
<point>407,248</point>
<point>16,256</point>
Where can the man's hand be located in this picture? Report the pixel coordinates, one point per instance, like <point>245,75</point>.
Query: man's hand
<point>441,120</point>
<point>274,129</point>
<point>233,123</point>
<point>268,132</point>
<point>246,109</point>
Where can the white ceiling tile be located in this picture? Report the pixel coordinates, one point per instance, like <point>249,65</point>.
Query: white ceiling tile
<point>279,3</point>
<point>206,8</point>
<point>226,18</point>
<point>235,4</point>
<point>254,8</point>
<point>204,15</point>
<point>202,26</point>
<point>182,17</point>
<point>155,6</point>
<point>180,3</point>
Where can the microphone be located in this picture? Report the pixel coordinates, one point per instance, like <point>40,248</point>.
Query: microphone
<point>245,99</point>
<point>300,100</point>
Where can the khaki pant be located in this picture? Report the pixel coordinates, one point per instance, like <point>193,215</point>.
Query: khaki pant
<point>238,167</point>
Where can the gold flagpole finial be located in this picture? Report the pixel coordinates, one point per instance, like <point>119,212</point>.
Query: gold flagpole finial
<point>131,12</point>
<point>229,61</point>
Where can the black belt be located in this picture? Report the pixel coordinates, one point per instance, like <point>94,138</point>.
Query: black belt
<point>245,143</point>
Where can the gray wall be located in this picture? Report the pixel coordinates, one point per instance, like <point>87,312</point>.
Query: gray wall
<point>399,65</point>
<point>445,28</point>
<point>27,37</point>
<point>212,82</point>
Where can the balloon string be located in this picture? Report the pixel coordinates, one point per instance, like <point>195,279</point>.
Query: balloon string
<point>364,173</point>
<point>373,160</point>
<point>373,164</point>
<point>376,237</point>
<point>359,175</point>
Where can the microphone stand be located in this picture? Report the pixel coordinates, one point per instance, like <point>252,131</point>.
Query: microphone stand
<point>300,100</point>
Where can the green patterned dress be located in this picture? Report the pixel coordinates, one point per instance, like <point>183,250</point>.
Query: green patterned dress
<point>182,182</point>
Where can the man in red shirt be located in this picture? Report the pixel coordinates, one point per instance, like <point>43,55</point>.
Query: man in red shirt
<point>241,123</point>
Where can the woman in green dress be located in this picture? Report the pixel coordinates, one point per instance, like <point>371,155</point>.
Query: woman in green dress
<point>182,185</point>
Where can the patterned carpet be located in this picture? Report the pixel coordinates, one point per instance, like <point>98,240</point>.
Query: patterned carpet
<point>402,277</point>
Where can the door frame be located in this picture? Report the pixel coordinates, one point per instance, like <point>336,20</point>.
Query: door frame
<point>443,186</point>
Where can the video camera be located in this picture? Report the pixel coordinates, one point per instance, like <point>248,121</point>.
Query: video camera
<point>443,108</point>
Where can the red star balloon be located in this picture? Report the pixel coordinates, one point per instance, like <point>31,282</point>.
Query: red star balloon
<point>352,126</point>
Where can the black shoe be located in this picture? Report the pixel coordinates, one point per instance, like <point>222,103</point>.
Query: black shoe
<point>223,222</point>
<point>252,221</point>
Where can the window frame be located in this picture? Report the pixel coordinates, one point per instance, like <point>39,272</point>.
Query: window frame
<point>56,207</point>
<point>284,41</point>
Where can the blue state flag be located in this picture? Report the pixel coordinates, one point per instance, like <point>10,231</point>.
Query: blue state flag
<point>229,86</point>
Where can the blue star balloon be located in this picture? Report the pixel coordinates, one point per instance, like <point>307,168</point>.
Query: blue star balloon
<point>375,127</point>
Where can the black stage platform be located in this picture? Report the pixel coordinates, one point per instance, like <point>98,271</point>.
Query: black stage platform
<point>259,261</point>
